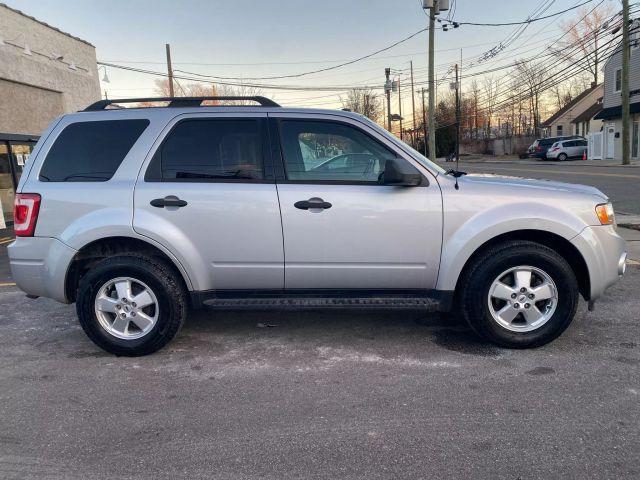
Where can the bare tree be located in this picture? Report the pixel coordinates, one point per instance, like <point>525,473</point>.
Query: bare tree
<point>490,90</point>
<point>582,43</point>
<point>364,102</point>
<point>208,90</point>
<point>531,76</point>
<point>474,94</point>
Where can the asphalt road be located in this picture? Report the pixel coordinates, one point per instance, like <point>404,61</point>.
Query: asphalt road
<point>618,182</point>
<point>320,395</point>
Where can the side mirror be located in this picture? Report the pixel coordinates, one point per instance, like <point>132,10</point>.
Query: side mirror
<point>400,173</point>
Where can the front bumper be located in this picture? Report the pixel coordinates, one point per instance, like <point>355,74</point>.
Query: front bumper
<point>605,254</point>
<point>39,266</point>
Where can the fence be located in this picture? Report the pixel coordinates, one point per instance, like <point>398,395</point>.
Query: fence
<point>497,146</point>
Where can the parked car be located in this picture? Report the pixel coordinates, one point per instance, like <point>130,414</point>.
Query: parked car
<point>538,149</point>
<point>566,149</point>
<point>140,214</point>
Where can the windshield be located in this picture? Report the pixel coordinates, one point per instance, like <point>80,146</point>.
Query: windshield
<point>428,163</point>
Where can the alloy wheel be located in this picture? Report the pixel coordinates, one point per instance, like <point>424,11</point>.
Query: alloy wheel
<point>126,308</point>
<point>522,299</point>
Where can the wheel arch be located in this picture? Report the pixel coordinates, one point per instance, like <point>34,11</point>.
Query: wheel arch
<point>96,250</point>
<point>552,240</point>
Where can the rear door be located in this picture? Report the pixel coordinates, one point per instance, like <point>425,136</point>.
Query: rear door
<point>208,194</point>
<point>363,235</point>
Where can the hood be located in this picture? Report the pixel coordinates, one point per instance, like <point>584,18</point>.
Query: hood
<point>517,182</point>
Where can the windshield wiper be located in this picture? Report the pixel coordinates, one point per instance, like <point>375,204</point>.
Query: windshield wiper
<point>455,173</point>
<point>86,176</point>
<point>233,174</point>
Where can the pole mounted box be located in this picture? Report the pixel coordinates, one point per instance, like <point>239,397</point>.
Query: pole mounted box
<point>439,4</point>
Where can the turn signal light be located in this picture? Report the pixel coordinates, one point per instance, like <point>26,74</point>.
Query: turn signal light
<point>605,213</point>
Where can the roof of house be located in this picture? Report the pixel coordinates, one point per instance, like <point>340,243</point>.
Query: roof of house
<point>45,24</point>
<point>568,106</point>
<point>589,113</point>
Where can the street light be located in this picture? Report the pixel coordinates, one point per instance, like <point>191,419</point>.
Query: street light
<point>105,78</point>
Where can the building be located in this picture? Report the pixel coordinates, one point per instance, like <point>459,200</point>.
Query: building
<point>44,73</point>
<point>561,123</point>
<point>584,124</point>
<point>611,113</point>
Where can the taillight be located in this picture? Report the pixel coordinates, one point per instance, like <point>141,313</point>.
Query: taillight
<point>25,214</point>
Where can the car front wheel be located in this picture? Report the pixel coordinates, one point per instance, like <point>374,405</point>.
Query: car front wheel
<point>562,157</point>
<point>519,295</point>
<point>131,305</point>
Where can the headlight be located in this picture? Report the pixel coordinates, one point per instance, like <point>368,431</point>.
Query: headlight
<point>605,213</point>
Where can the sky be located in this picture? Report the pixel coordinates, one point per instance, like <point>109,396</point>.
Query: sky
<point>251,38</point>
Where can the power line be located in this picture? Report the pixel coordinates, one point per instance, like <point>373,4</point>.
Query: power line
<point>528,21</point>
<point>297,75</point>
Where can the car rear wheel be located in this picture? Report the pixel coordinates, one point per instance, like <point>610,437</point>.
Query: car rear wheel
<point>519,295</point>
<point>131,305</point>
<point>562,157</point>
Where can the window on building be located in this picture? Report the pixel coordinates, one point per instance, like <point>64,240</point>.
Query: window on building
<point>213,150</point>
<point>559,130</point>
<point>90,151</point>
<point>329,151</point>
<point>635,140</point>
<point>618,79</point>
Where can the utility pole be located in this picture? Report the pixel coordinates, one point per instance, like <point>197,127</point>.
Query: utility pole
<point>400,106</point>
<point>424,123</point>
<point>387,90</point>
<point>432,85</point>
<point>626,139</point>
<point>169,69</point>
<point>413,104</point>
<point>457,116</point>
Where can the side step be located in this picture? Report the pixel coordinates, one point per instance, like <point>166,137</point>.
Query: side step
<point>380,303</point>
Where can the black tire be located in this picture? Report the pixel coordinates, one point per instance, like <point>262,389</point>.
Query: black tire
<point>479,276</point>
<point>160,277</point>
<point>563,157</point>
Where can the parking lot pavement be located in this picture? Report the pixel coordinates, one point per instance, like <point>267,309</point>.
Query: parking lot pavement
<point>336,394</point>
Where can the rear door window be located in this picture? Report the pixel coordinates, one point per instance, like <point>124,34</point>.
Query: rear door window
<point>90,151</point>
<point>210,150</point>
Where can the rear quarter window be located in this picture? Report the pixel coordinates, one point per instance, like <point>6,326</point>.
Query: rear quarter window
<point>90,151</point>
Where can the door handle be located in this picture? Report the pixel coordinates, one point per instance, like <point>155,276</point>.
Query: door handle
<point>312,203</point>
<point>168,201</point>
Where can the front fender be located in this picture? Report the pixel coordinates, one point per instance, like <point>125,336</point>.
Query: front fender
<point>465,234</point>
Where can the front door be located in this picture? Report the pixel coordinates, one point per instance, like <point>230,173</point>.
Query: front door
<point>611,138</point>
<point>209,196</point>
<point>342,229</point>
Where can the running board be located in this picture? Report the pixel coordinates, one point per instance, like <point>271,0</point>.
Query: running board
<point>433,301</point>
<point>338,303</point>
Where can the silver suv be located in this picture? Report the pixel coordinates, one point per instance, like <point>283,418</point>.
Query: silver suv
<point>139,214</point>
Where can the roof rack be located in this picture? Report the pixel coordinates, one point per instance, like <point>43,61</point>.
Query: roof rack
<point>177,102</point>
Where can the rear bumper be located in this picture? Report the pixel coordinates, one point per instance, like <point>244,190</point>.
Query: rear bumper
<point>39,266</point>
<point>605,253</point>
